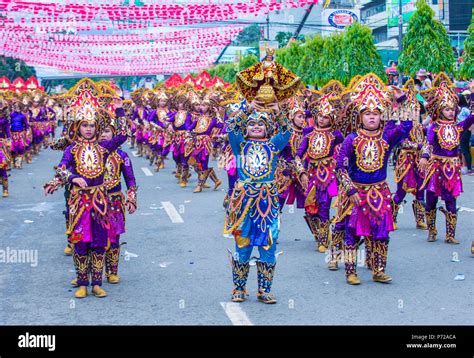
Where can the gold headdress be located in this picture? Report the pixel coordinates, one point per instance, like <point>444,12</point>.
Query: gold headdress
<point>270,51</point>
<point>137,96</point>
<point>87,103</point>
<point>325,105</point>
<point>440,96</point>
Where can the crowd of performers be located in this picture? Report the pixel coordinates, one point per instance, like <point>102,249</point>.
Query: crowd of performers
<point>315,149</point>
<point>27,125</point>
<point>332,147</point>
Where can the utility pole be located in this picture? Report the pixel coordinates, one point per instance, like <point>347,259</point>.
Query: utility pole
<point>268,26</point>
<point>400,26</point>
<point>305,17</point>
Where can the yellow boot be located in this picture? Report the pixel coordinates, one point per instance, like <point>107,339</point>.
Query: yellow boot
<point>353,279</point>
<point>69,249</point>
<point>98,291</point>
<point>5,187</point>
<point>214,178</point>
<point>113,279</point>
<point>81,292</point>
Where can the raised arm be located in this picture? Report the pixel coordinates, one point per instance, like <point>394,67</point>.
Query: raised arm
<point>342,164</point>
<point>284,134</point>
<point>129,176</point>
<point>121,135</point>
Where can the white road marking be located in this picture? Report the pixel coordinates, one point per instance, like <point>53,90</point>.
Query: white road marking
<point>172,212</point>
<point>39,207</point>
<point>147,172</point>
<point>235,313</point>
<point>462,208</point>
<point>135,154</point>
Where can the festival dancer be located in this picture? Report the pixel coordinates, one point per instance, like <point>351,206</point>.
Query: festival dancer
<point>118,164</point>
<point>19,129</point>
<point>138,117</point>
<point>180,122</point>
<point>149,129</point>
<point>37,118</point>
<point>5,145</point>
<point>315,164</point>
<point>253,210</point>
<point>159,120</point>
<point>51,121</point>
<point>407,175</point>
<point>289,185</point>
<point>88,204</point>
<point>440,159</point>
<point>199,144</point>
<point>362,171</point>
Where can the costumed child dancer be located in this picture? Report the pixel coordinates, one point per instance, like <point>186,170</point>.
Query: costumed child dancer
<point>315,163</point>
<point>253,210</point>
<point>407,174</point>
<point>362,171</point>
<point>440,159</point>
<point>83,166</point>
<point>118,164</point>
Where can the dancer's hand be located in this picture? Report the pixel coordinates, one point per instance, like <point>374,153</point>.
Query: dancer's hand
<point>355,199</point>
<point>275,106</point>
<point>48,189</point>
<point>79,182</point>
<point>423,165</point>
<point>131,208</point>
<point>256,105</point>
<point>304,181</point>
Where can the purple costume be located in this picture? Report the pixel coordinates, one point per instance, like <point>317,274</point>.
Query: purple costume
<point>5,142</point>
<point>199,146</point>
<point>315,157</point>
<point>362,168</point>
<point>88,222</point>
<point>118,163</point>
<point>408,176</point>
<point>181,123</point>
<point>19,126</point>
<point>287,178</point>
<point>443,177</point>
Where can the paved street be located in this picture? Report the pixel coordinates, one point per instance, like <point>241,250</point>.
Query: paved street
<point>175,270</point>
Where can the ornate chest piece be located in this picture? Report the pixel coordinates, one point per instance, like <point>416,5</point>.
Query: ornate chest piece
<point>370,152</point>
<point>319,143</point>
<point>162,115</point>
<point>89,159</point>
<point>112,171</point>
<point>203,124</point>
<point>416,133</point>
<point>257,160</point>
<point>449,135</point>
<point>180,119</point>
<point>295,140</point>
<point>34,112</point>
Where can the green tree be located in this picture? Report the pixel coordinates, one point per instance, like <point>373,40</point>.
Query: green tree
<point>360,53</point>
<point>309,64</point>
<point>467,67</point>
<point>426,43</point>
<point>290,57</point>
<point>226,71</point>
<point>249,37</point>
<point>13,68</point>
<point>284,37</point>
<point>331,63</point>
<point>247,61</point>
